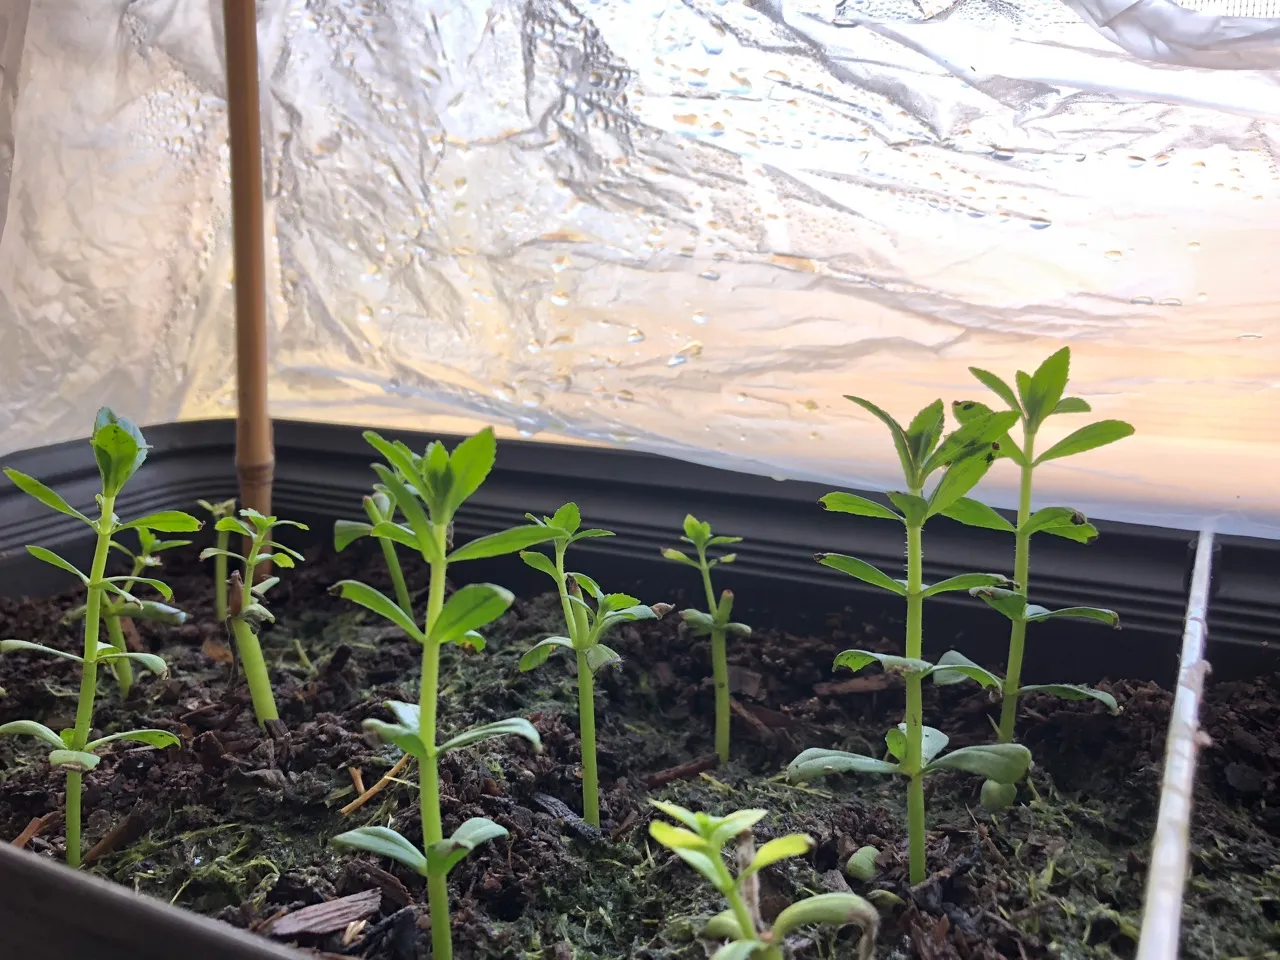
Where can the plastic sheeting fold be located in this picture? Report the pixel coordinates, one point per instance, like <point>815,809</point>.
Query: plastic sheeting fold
<point>688,227</point>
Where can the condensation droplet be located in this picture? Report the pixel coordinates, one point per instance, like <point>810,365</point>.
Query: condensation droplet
<point>560,299</point>
<point>709,275</point>
<point>699,317</point>
<point>690,351</point>
<point>636,335</point>
<point>1142,301</point>
<point>626,396</point>
<point>1136,161</point>
<point>1170,302</point>
<point>1113,254</point>
<point>1039,223</point>
<point>1249,336</point>
<point>1193,245</point>
<point>809,404</point>
<point>560,265</point>
<point>1202,297</point>
<point>365,314</point>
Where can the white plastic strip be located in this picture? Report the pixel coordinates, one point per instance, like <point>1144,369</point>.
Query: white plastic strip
<point>1166,877</point>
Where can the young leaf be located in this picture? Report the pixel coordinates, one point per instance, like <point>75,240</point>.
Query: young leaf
<point>1047,385</point>
<point>540,562</point>
<point>857,659</point>
<point>511,727</point>
<point>831,910</point>
<point>932,742</point>
<point>740,950</point>
<point>1087,438</point>
<point>782,848</point>
<point>980,436</point>
<point>118,448</point>
<point>676,812</point>
<point>383,842</point>
<point>51,558</point>
<point>816,762</point>
<point>159,586</point>
<point>861,570</point>
<point>957,480</point>
<point>346,532</point>
<point>568,518</point>
<point>1054,517</point>
<point>507,541</point>
<point>1082,533</point>
<point>537,655</point>
<point>914,509</point>
<point>723,926</point>
<point>399,735</point>
<point>671,553</point>
<point>14,646</point>
<point>399,456</point>
<point>900,442</point>
<point>411,507</point>
<point>1001,762</point>
<point>698,858</point>
<point>470,463</point>
<point>150,661</point>
<point>167,521</point>
<point>858,506</point>
<point>387,530</point>
<point>924,431</point>
<point>1071,691</point>
<point>29,728</point>
<point>997,386</point>
<point>955,667</point>
<point>967,581</point>
<point>155,738</point>
<point>700,623</point>
<point>696,530</point>
<point>445,855</point>
<point>1072,405</point>
<point>469,608</point>
<point>34,488</point>
<point>588,586</point>
<point>260,588</point>
<point>407,714</point>
<point>74,759</point>
<point>210,552</point>
<point>599,656</point>
<point>724,829</point>
<point>1109,617</point>
<point>972,513</point>
<point>379,603</point>
<point>1013,605</point>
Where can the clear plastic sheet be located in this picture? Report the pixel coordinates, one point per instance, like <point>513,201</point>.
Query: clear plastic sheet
<point>687,227</point>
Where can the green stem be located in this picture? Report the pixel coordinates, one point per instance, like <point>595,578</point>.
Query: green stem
<point>719,663</point>
<point>88,674</point>
<point>255,672</point>
<point>397,575</point>
<point>914,760</point>
<point>122,668</point>
<point>587,726</point>
<point>1018,631</point>
<point>429,770</point>
<point>220,576</point>
<point>741,913</point>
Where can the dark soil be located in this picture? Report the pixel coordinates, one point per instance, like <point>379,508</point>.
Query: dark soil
<point>234,824</point>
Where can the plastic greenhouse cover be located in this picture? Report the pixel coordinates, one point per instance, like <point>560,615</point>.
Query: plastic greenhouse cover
<point>687,227</point>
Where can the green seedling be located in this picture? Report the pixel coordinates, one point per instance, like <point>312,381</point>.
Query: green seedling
<point>115,611</point>
<point>700,843</point>
<point>1039,396</point>
<point>587,623</point>
<point>715,621</point>
<point>428,490</point>
<point>862,864</point>
<point>119,449</point>
<point>379,508</point>
<point>961,458</point>
<point>248,610</point>
<point>227,508</point>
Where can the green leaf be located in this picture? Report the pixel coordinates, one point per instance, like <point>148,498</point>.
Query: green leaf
<point>973,513</point>
<point>159,586</point>
<point>540,562</point>
<point>260,588</point>
<point>967,581</point>
<point>209,553</point>
<point>1082,533</point>
<point>118,448</point>
<point>956,481</point>
<point>696,530</point>
<point>700,623</point>
<point>29,728</point>
<point>997,386</point>
<point>954,667</point>
<point>507,541</point>
<point>34,488</point>
<point>676,812</point>
<point>398,532</point>
<point>1054,517</point>
<point>900,442</point>
<point>858,506</point>
<point>150,661</point>
<point>568,518</point>
<point>914,509</point>
<point>1047,385</point>
<point>407,714</point>
<point>816,762</point>
<point>1009,602</point>
<point>671,553</point>
<point>861,865</point>
<point>830,910</point>
<point>1072,405</point>
<point>379,603</point>
<point>1071,691</point>
<point>399,735</point>
<point>445,855</point>
<point>924,431</point>
<point>676,838</point>
<point>857,659</point>
<point>346,532</point>
<point>1087,438</point>
<point>588,585</point>
<point>599,656</point>
<point>51,558</point>
<point>723,926</point>
<point>861,570</point>
<point>470,608</point>
<point>377,506</point>
<point>470,463</point>
<point>969,411</point>
<point>26,646</point>
<point>73,759</point>
<point>1109,617</point>
<point>1001,762</point>
<point>155,738</point>
<point>411,507</point>
<point>724,829</point>
<point>398,456</point>
<point>700,860</point>
<point>383,842</point>
<point>740,950</point>
<point>537,655</point>
<point>932,742</point>
<point>166,521</point>
<point>511,727</point>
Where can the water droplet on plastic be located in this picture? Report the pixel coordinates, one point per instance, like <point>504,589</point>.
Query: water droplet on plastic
<point>777,75</point>
<point>809,404</point>
<point>690,351</point>
<point>1170,302</point>
<point>709,275</point>
<point>699,317</point>
<point>1202,297</point>
<point>626,396</point>
<point>1142,301</point>
<point>365,314</point>
<point>1249,336</point>
<point>560,265</point>
<point>1136,161</point>
<point>560,299</point>
<point>713,47</point>
<point>1039,223</point>
<point>1161,160</point>
<point>999,154</point>
<point>1193,245</point>
<point>1113,254</point>
<point>636,335</point>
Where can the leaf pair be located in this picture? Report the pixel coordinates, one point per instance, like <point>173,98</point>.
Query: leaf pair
<point>701,840</point>
<point>954,667</point>
<point>867,573</point>
<point>466,610</point>
<point>1001,762</point>
<point>406,732</point>
<point>61,753</point>
<point>106,653</point>
<point>698,534</point>
<point>440,857</point>
<point>702,624</point>
<point>610,610</point>
<point>1015,606</point>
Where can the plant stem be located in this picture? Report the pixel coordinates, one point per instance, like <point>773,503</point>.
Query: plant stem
<point>1018,630</point>
<point>741,913</point>
<point>429,770</point>
<point>397,576</point>
<point>719,663</point>
<point>914,760</point>
<point>587,727</point>
<point>255,672</point>
<point>122,668</point>
<point>220,576</point>
<point>88,674</point>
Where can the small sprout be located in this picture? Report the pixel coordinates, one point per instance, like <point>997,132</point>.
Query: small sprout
<point>381,511</point>
<point>226,508</point>
<point>862,864</point>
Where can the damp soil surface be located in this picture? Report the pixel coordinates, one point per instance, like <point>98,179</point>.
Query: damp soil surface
<point>234,823</point>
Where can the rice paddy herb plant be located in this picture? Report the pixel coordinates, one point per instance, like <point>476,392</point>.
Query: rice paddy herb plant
<point>222,542</point>
<point>715,622</point>
<point>119,449</point>
<point>960,459</point>
<point>1038,397</point>
<point>700,842</point>
<point>428,490</point>
<point>247,609</point>
<point>379,508</point>
<point>586,623</point>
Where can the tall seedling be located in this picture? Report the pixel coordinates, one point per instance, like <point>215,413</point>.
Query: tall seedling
<point>1039,396</point>
<point>119,449</point>
<point>379,509</point>
<point>962,458</point>
<point>247,609</point>
<point>428,490</point>
<point>227,508</point>
<point>715,622</point>
<point>586,623</point>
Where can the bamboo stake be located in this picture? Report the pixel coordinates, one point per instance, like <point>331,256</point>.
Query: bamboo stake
<point>255,453</point>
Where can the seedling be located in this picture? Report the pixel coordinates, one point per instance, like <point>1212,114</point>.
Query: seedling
<point>248,609</point>
<point>1039,396</point>
<point>715,622</point>
<point>119,448</point>
<point>227,508</point>
<point>379,509</point>
<point>116,611</point>
<point>962,458</point>
<point>586,626</point>
<point>428,490</point>
<point>701,846</point>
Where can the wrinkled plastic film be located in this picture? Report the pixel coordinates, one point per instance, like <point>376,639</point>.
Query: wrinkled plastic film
<point>681,227</point>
